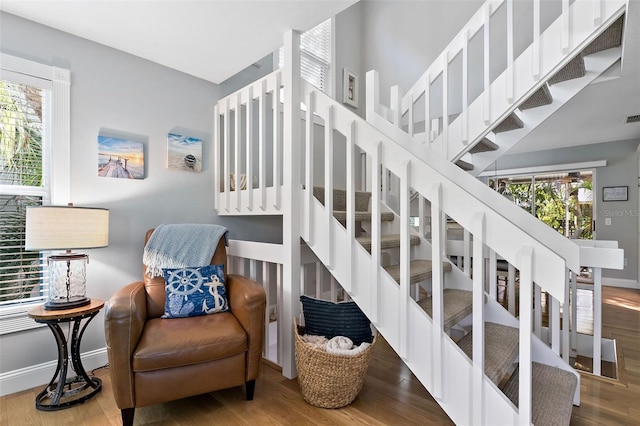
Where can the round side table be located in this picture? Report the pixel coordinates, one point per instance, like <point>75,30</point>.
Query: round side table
<point>62,391</point>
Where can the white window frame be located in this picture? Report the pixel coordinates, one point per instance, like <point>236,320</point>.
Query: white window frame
<point>57,152</point>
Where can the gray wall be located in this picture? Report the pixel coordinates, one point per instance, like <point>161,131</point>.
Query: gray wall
<point>121,92</point>
<point>621,170</point>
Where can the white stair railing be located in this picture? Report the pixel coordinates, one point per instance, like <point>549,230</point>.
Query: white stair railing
<point>458,121</point>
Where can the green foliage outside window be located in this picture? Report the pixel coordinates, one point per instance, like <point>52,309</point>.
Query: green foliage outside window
<point>20,165</point>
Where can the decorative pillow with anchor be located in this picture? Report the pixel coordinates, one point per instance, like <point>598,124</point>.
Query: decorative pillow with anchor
<point>194,291</point>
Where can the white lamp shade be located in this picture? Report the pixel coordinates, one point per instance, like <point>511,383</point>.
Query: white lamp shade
<point>66,227</point>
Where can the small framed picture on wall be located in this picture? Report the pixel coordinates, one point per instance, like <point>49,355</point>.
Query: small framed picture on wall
<point>615,193</point>
<point>350,88</point>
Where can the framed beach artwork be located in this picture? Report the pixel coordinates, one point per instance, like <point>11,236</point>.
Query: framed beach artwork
<point>120,158</point>
<point>184,152</point>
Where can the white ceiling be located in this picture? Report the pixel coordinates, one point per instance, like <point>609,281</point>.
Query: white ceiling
<point>210,39</point>
<point>214,39</point>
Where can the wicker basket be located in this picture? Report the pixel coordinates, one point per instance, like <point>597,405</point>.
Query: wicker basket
<point>327,380</point>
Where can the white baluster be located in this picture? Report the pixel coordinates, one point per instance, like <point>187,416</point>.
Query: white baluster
<point>478,315</point>
<point>277,145</point>
<point>309,165</point>
<point>437,286</point>
<point>351,281</point>
<point>536,40</point>
<point>328,185</point>
<point>375,231</point>
<point>525,264</point>
<point>486,110</point>
<point>405,259</point>
<point>566,26</point>
<point>373,94</point>
<point>249,149</point>
<point>262,142</point>
<point>238,149</point>
<point>597,321</point>
<point>510,29</point>
<point>216,156</point>
<point>227,155</point>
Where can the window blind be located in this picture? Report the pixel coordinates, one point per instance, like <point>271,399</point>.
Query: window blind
<point>23,274</point>
<point>315,46</point>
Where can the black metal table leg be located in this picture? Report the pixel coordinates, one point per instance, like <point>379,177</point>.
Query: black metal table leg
<point>62,391</point>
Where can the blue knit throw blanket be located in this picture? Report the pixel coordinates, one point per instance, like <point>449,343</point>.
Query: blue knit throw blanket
<point>181,246</point>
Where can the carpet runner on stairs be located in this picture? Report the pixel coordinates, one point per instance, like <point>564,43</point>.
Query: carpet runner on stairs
<point>387,241</point>
<point>553,391</point>
<point>420,270</point>
<point>500,349</point>
<point>363,216</point>
<point>457,306</point>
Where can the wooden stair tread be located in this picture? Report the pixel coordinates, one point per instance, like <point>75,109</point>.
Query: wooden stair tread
<point>457,306</point>
<point>363,216</point>
<point>500,349</point>
<point>387,241</point>
<point>484,145</point>
<point>540,97</point>
<point>552,390</point>
<point>511,122</point>
<point>421,270</point>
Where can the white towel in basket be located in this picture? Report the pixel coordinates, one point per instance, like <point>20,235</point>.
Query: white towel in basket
<point>341,345</point>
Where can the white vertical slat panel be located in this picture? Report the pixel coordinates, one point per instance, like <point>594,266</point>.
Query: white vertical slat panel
<point>373,93</point>
<point>525,262</point>
<point>277,145</point>
<point>466,257</point>
<point>566,307</point>
<point>279,297</point>
<point>266,285</point>
<point>410,114</point>
<point>351,215</point>
<point>253,269</point>
<point>319,279</point>
<point>493,275</point>
<point>555,325</point>
<point>395,100</point>
<point>597,321</point>
<point>478,317</point>
<point>216,156</point>
<point>405,258</point>
<point>328,185</point>
<point>510,30</point>
<point>486,106</point>
<point>227,156</point>
<point>597,12</point>
<point>465,87</point>
<point>511,288</point>
<point>537,311</point>
<point>238,150</point>
<point>333,289</point>
<point>262,142</point>
<point>386,183</point>
<point>437,286</point>
<point>429,135</point>
<point>445,106</point>
<point>421,216</point>
<point>309,164</point>
<point>375,230</point>
<point>566,26</point>
<point>536,40</point>
<point>574,311</point>
<point>249,153</point>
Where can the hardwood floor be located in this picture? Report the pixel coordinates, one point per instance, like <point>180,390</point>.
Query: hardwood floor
<point>391,395</point>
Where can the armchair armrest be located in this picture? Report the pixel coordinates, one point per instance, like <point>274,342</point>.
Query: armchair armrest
<point>124,321</point>
<point>248,304</point>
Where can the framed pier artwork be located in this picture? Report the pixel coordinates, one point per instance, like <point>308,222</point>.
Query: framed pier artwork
<point>120,158</point>
<point>184,152</point>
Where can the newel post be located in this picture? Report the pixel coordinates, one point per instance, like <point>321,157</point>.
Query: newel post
<point>291,199</point>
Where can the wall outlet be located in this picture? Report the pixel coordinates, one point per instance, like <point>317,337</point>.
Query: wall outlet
<point>607,221</point>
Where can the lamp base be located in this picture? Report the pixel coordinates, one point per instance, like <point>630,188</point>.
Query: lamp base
<point>74,302</point>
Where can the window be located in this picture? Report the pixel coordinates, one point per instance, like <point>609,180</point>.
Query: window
<point>563,201</point>
<point>34,151</point>
<point>315,56</point>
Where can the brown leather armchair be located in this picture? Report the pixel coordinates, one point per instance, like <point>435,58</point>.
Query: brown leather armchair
<point>153,360</point>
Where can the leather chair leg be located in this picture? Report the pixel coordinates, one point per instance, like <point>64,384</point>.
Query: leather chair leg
<point>127,416</point>
<point>250,387</point>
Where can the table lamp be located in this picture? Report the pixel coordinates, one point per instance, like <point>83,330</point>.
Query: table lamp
<point>66,228</point>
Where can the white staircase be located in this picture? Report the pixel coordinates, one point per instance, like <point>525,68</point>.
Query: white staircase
<point>486,118</point>
<point>257,135</point>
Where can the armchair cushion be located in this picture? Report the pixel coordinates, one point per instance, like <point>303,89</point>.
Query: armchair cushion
<point>187,341</point>
<point>194,291</point>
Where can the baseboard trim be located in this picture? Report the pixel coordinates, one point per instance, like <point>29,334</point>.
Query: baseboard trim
<point>619,282</point>
<point>40,374</point>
